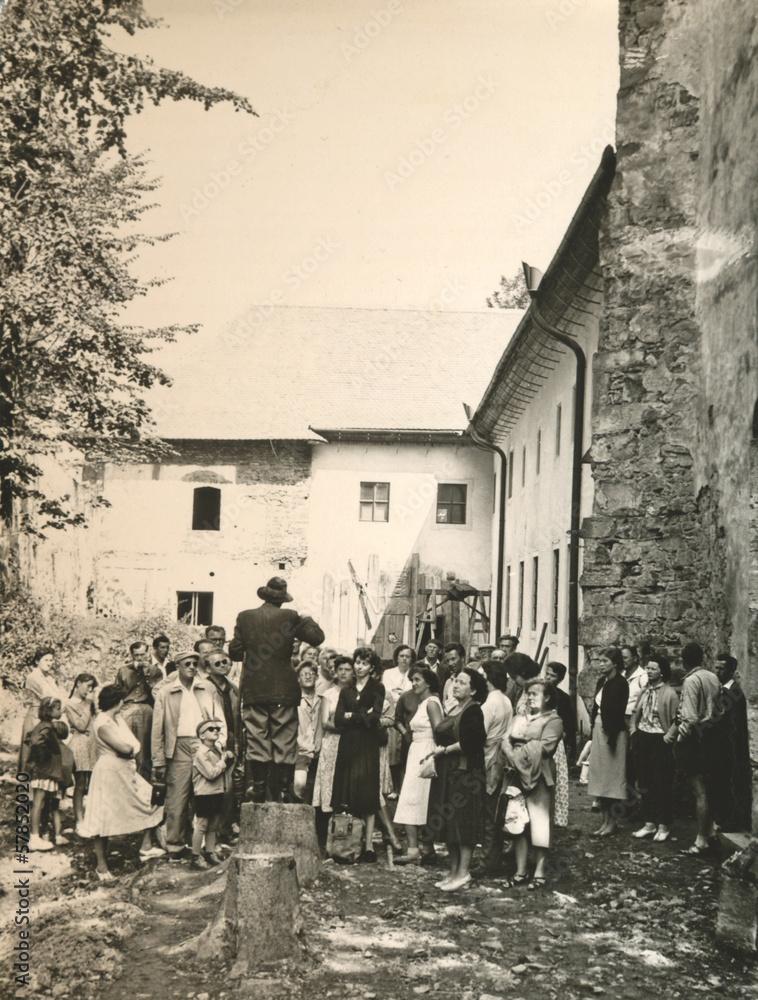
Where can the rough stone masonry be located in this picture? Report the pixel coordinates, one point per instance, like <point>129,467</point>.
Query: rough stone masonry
<point>670,546</point>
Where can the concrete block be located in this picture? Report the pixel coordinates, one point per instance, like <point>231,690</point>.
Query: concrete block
<point>272,827</point>
<point>737,919</point>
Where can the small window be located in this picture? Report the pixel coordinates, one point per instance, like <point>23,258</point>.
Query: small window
<point>375,502</point>
<point>510,474</point>
<point>451,503</point>
<point>558,418</point>
<point>556,591</point>
<point>195,606</point>
<point>539,451</point>
<point>535,590</point>
<point>523,466</point>
<point>508,596</point>
<point>206,509</point>
<point>520,594</point>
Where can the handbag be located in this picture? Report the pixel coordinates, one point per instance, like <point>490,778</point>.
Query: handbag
<point>516,813</point>
<point>345,838</point>
<point>428,768</point>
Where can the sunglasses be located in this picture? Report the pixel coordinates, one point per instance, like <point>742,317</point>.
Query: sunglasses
<point>212,729</point>
<point>223,663</point>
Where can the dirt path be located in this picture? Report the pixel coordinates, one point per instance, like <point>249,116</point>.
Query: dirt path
<point>620,919</point>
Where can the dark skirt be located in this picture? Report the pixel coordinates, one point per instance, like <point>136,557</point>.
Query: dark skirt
<point>456,804</point>
<point>356,773</point>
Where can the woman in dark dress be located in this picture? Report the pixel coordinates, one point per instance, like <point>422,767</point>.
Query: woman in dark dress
<point>356,773</point>
<point>457,803</point>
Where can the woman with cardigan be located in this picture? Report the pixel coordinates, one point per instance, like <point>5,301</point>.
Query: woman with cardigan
<point>655,732</point>
<point>607,771</point>
<point>457,805</point>
<point>529,747</point>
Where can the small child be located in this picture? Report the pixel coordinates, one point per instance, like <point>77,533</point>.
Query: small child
<point>50,775</point>
<point>210,778</point>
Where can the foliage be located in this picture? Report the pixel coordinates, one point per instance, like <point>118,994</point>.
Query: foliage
<point>70,200</point>
<point>511,294</point>
<point>90,643</point>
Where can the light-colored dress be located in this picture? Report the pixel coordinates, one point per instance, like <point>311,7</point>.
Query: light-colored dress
<point>413,804</point>
<point>119,799</point>
<point>82,739</point>
<point>322,787</point>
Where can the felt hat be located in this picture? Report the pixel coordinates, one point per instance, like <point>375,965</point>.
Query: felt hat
<point>275,590</point>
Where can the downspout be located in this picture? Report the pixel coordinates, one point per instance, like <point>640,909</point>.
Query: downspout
<point>479,440</point>
<point>576,480</point>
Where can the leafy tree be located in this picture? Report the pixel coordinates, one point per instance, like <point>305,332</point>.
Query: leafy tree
<point>511,294</point>
<point>71,197</point>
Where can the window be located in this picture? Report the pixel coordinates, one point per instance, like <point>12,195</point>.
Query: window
<point>535,588</point>
<point>520,594</point>
<point>556,592</point>
<point>508,596</point>
<point>375,502</point>
<point>451,503</point>
<point>558,417</point>
<point>206,508</point>
<point>196,606</point>
<point>510,474</point>
<point>523,465</point>
<point>539,450</point>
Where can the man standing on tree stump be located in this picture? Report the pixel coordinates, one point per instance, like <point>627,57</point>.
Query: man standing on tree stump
<point>263,639</point>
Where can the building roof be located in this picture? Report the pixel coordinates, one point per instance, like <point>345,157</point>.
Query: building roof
<point>336,370</point>
<point>569,289</point>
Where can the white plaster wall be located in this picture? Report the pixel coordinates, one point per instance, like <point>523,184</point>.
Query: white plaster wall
<point>336,535</point>
<point>538,514</point>
<point>147,550</point>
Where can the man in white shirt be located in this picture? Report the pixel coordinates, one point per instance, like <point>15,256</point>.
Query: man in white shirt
<point>181,705</point>
<point>159,655</point>
<point>309,733</point>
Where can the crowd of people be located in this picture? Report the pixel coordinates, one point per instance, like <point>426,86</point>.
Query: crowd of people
<point>472,754</point>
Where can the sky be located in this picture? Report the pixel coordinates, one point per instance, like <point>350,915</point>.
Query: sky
<point>406,153</point>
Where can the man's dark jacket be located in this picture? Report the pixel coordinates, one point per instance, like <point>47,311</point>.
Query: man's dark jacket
<point>264,639</point>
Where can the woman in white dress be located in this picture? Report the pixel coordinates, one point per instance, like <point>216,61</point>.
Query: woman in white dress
<point>413,804</point>
<point>120,800</point>
<point>344,676</point>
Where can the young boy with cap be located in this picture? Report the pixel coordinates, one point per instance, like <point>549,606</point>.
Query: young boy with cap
<point>210,768</point>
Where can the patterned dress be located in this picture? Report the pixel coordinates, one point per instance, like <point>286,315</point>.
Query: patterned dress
<point>82,739</point>
<point>322,788</point>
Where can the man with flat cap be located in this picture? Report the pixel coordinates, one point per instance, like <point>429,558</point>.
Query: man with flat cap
<point>264,639</point>
<point>181,703</point>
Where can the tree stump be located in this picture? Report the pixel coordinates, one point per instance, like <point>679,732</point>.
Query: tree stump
<point>272,827</point>
<point>259,919</point>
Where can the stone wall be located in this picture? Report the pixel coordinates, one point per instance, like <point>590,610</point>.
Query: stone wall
<point>640,561</point>
<point>670,548</point>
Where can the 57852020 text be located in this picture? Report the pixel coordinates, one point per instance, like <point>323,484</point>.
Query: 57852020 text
<point>22,950</point>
